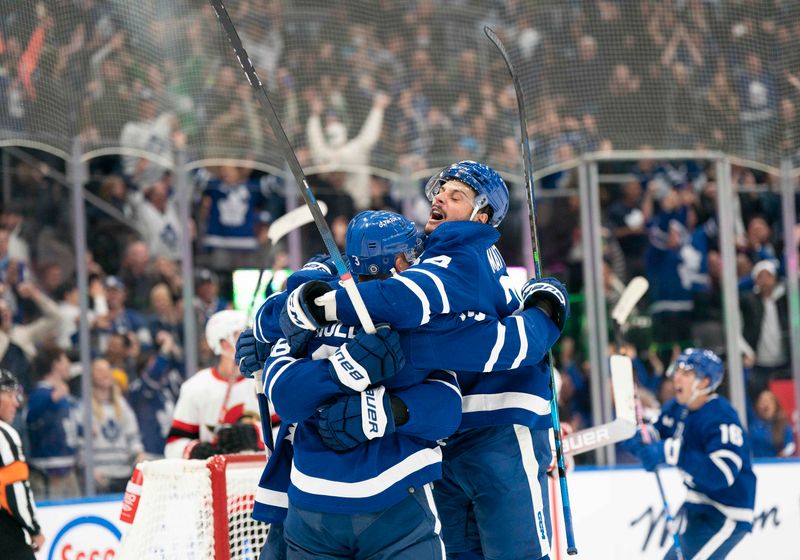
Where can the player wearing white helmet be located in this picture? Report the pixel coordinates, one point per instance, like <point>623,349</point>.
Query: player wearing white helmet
<point>217,410</point>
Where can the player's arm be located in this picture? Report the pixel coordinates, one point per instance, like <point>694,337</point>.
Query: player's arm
<point>720,462</point>
<point>14,486</point>
<point>184,433</point>
<point>430,410</point>
<point>433,408</point>
<point>437,285</point>
<point>483,343</point>
<point>297,387</point>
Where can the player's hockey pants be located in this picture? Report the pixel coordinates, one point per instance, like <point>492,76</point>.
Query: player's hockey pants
<point>408,530</point>
<point>493,498</point>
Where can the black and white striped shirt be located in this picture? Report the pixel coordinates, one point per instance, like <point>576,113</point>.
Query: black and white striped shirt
<point>16,498</point>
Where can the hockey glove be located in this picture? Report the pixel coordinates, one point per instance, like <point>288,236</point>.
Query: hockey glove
<point>353,420</point>
<point>322,262</point>
<point>301,317</point>
<point>639,440</point>
<point>203,450</point>
<point>367,360</point>
<point>250,353</point>
<point>232,438</point>
<point>550,295</point>
<point>654,454</point>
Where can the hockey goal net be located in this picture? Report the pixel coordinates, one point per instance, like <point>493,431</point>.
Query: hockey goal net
<point>197,510</point>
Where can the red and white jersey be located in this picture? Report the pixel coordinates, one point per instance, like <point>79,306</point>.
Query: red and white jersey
<point>208,400</point>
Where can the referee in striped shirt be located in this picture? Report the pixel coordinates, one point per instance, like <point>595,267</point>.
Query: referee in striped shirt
<point>18,523</point>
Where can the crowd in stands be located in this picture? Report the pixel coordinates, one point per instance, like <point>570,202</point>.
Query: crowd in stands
<point>407,95</point>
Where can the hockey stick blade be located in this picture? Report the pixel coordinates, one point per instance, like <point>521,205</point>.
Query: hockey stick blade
<point>292,220</point>
<point>622,387</point>
<point>633,292</point>
<point>595,437</point>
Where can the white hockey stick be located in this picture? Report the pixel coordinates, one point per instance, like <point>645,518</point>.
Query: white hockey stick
<point>624,425</point>
<point>298,217</point>
<point>633,292</point>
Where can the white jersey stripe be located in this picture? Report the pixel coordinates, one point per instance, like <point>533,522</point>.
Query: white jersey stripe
<point>417,291</point>
<point>439,286</point>
<point>523,342</point>
<point>735,513</point>
<point>498,347</point>
<point>716,541</point>
<point>272,497</point>
<point>500,401</point>
<point>437,528</point>
<point>371,486</point>
<point>289,361</point>
<point>718,458</point>
<point>446,384</point>
<point>531,466</point>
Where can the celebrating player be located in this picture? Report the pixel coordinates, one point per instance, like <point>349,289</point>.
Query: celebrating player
<point>217,410</point>
<point>701,434</point>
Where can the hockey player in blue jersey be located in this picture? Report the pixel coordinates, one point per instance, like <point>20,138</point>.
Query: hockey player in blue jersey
<point>702,435</point>
<point>461,272</point>
<point>519,340</point>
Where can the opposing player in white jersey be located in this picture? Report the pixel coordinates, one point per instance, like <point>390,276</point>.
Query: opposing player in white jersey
<point>462,274</point>
<point>701,434</point>
<point>217,410</point>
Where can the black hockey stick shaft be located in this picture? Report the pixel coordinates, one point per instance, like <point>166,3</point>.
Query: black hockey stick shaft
<point>528,166</point>
<point>294,165</point>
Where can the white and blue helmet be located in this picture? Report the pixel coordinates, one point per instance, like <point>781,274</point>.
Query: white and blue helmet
<point>375,237</point>
<point>486,182</point>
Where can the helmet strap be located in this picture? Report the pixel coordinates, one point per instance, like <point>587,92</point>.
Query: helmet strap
<point>697,392</point>
<point>477,205</point>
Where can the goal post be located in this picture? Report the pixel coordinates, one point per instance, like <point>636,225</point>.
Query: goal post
<point>193,510</point>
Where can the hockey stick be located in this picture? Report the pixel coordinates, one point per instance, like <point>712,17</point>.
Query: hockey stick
<point>622,427</point>
<point>277,230</point>
<point>633,292</point>
<point>291,158</point>
<point>528,167</point>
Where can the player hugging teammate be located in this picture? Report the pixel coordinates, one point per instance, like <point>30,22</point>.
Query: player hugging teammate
<point>356,455</point>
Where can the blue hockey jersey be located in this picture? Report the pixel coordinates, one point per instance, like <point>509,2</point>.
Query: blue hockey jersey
<point>53,430</point>
<point>460,270</point>
<point>713,455</point>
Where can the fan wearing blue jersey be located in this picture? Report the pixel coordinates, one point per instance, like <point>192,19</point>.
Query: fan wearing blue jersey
<point>702,435</point>
<point>462,274</point>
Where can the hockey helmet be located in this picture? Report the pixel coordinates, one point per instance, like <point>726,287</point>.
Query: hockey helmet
<point>486,182</point>
<point>375,237</point>
<point>704,364</point>
<point>224,325</point>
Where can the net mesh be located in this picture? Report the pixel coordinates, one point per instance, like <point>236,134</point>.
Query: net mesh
<point>608,74</point>
<point>175,516</point>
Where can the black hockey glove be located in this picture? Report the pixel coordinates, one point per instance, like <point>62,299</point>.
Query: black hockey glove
<point>356,419</point>
<point>232,438</point>
<point>203,450</point>
<point>250,353</point>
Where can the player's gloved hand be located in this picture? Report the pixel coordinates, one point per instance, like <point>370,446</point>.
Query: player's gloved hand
<point>301,317</point>
<point>367,360</point>
<point>639,439</point>
<point>232,438</point>
<point>654,454</point>
<point>250,353</point>
<point>203,450</point>
<point>550,295</point>
<point>322,262</point>
<point>355,419</point>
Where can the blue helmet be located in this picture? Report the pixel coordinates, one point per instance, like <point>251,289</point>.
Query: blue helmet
<point>704,363</point>
<point>375,237</point>
<point>492,190</point>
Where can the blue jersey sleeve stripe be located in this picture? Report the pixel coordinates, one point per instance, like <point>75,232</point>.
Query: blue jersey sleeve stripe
<point>417,291</point>
<point>498,346</point>
<point>371,486</point>
<point>272,497</point>
<point>718,458</point>
<point>523,342</point>
<point>439,286</point>
<point>500,401</point>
